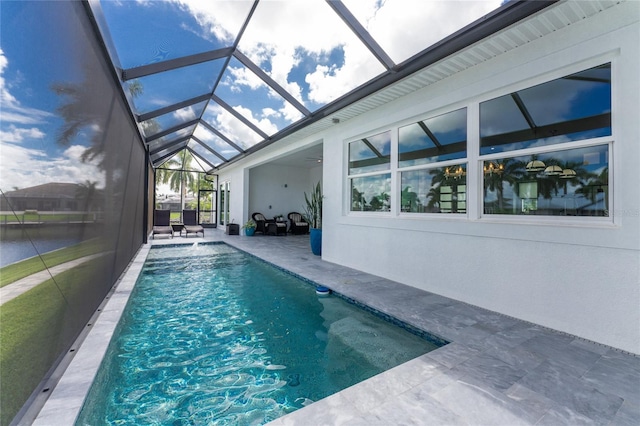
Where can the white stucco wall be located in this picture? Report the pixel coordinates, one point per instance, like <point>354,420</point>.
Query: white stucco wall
<point>571,275</point>
<point>277,189</point>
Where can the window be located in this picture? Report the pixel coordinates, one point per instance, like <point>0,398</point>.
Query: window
<point>434,190</point>
<point>541,151</point>
<point>549,178</point>
<point>571,108</point>
<point>370,189</point>
<point>572,182</point>
<point>438,186</point>
<point>435,139</point>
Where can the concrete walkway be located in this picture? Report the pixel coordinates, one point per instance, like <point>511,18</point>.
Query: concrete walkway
<point>15,289</point>
<point>496,371</point>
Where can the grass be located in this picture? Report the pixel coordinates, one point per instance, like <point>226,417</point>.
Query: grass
<point>37,217</point>
<point>37,327</point>
<point>18,270</point>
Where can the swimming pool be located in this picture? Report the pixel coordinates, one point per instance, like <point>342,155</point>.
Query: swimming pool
<point>212,334</point>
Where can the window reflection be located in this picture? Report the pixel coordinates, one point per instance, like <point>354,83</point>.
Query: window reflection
<point>370,154</point>
<point>436,190</point>
<point>371,193</point>
<point>435,139</point>
<point>571,108</point>
<point>561,183</point>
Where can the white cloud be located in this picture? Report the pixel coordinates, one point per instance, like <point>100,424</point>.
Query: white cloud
<point>231,127</point>
<point>185,114</point>
<point>220,19</point>
<point>309,26</point>
<point>270,112</point>
<point>31,167</point>
<point>263,124</point>
<point>12,111</point>
<point>5,96</point>
<point>243,77</point>
<point>406,27</point>
<point>16,135</point>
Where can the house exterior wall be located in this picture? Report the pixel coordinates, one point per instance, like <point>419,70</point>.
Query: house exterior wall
<point>566,273</point>
<point>269,195</point>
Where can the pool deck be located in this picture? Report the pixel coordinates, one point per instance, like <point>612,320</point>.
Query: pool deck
<point>497,370</point>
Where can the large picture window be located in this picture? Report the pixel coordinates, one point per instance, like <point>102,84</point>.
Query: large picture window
<point>370,180</point>
<point>573,182</point>
<point>563,182</point>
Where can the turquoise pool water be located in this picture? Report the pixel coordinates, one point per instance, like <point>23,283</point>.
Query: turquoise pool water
<point>212,335</point>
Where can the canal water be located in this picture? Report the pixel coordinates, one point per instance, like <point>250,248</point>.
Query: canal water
<point>18,244</point>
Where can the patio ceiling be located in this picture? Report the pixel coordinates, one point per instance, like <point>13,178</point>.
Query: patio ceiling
<point>223,79</point>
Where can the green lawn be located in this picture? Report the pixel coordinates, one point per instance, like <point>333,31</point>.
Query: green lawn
<point>54,217</point>
<point>36,327</point>
<point>18,270</point>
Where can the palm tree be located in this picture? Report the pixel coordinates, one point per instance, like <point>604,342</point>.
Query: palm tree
<point>409,200</point>
<point>178,179</point>
<point>582,175</point>
<point>85,192</point>
<point>83,109</point>
<point>357,200</point>
<point>508,171</point>
<point>591,185</point>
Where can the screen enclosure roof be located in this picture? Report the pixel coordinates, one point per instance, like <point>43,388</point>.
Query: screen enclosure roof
<point>222,79</point>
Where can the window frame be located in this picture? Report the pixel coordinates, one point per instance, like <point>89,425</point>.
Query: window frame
<point>462,161</point>
<point>351,176</point>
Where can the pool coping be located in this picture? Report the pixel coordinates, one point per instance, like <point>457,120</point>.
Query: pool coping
<point>67,398</point>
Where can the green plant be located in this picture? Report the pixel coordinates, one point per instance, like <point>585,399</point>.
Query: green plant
<point>313,209</point>
<point>250,224</point>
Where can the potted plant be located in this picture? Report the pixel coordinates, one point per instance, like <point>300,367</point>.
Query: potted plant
<point>313,215</point>
<point>249,227</point>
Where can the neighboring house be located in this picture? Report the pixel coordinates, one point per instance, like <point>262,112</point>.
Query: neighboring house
<point>173,203</point>
<point>48,197</point>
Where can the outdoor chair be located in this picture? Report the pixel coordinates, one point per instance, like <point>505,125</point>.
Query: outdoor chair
<point>261,222</point>
<point>190,221</point>
<point>162,223</point>
<point>297,224</point>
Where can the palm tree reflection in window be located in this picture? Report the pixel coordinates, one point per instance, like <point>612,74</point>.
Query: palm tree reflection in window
<point>568,183</point>
<point>496,174</point>
<point>434,190</point>
<point>375,189</point>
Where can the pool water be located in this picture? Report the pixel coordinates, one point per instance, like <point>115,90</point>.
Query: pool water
<point>212,335</point>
